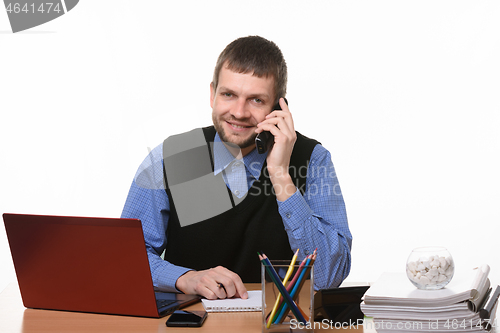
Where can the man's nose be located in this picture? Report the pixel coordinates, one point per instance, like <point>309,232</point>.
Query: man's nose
<point>240,109</point>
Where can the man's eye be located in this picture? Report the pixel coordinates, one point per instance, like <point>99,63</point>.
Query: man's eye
<point>257,100</point>
<point>227,94</point>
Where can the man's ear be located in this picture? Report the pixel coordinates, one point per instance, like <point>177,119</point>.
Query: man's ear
<point>212,95</point>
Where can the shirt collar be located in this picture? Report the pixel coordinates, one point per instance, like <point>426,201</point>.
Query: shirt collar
<point>222,158</point>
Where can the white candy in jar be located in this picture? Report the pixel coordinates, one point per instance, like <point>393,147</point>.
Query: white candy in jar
<point>430,271</point>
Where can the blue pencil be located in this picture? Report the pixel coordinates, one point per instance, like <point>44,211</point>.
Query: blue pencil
<point>286,296</point>
<point>293,292</point>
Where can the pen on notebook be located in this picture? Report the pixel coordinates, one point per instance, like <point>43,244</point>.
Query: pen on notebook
<point>221,286</point>
<point>285,280</point>
<point>274,276</point>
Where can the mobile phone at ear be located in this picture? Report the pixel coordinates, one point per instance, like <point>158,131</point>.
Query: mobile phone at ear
<point>181,318</point>
<point>265,139</point>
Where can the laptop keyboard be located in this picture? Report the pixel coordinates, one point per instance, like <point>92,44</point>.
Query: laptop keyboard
<point>164,302</point>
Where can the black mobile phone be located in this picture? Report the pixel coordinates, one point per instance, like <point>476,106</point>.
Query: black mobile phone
<point>265,140</point>
<point>181,318</point>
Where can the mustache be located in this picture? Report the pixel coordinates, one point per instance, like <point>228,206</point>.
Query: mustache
<point>245,121</point>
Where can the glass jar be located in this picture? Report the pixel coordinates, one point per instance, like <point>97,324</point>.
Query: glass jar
<point>430,268</point>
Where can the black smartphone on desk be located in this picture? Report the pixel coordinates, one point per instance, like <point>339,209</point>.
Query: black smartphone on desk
<point>181,318</point>
<point>265,140</point>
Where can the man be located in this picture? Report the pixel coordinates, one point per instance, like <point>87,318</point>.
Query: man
<point>211,201</point>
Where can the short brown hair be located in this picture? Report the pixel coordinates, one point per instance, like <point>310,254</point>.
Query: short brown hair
<point>254,54</point>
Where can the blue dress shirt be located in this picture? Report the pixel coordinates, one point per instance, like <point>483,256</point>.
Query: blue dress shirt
<point>316,219</point>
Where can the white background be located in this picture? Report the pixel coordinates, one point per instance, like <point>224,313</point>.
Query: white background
<point>405,95</point>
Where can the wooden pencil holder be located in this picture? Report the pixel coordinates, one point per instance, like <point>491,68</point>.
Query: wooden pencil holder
<point>285,319</point>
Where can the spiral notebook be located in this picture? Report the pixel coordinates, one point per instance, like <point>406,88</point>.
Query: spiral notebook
<point>252,303</point>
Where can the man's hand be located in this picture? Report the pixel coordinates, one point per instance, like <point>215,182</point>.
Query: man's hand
<point>213,283</point>
<point>280,124</point>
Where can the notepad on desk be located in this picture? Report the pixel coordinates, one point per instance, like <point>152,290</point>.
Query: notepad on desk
<point>252,303</point>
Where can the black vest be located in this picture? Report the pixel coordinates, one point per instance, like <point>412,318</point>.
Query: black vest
<point>232,238</point>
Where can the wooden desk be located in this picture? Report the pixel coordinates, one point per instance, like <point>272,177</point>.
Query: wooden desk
<point>15,318</point>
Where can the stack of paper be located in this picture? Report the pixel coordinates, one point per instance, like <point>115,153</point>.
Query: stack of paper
<point>396,305</point>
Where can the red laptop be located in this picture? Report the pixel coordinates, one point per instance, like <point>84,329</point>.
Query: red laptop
<point>86,264</point>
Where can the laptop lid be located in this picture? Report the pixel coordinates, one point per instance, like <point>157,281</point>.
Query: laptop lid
<point>85,264</point>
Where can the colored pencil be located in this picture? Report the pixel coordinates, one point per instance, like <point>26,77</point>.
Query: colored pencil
<point>288,299</point>
<point>290,287</point>
<point>296,288</point>
<point>285,280</point>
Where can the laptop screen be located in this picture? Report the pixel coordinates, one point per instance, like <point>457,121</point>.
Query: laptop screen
<point>84,264</point>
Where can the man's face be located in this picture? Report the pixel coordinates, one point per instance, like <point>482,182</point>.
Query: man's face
<point>240,102</point>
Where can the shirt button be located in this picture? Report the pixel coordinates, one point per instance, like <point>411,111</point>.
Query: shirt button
<point>288,215</point>
<point>237,192</point>
<point>237,164</point>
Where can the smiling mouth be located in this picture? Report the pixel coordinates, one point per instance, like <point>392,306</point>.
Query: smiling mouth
<point>238,126</point>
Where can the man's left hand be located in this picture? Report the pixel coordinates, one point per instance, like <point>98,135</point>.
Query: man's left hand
<point>280,124</point>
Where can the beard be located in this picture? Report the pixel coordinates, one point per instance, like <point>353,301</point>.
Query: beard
<point>236,140</point>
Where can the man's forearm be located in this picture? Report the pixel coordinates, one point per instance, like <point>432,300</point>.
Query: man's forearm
<point>308,231</point>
